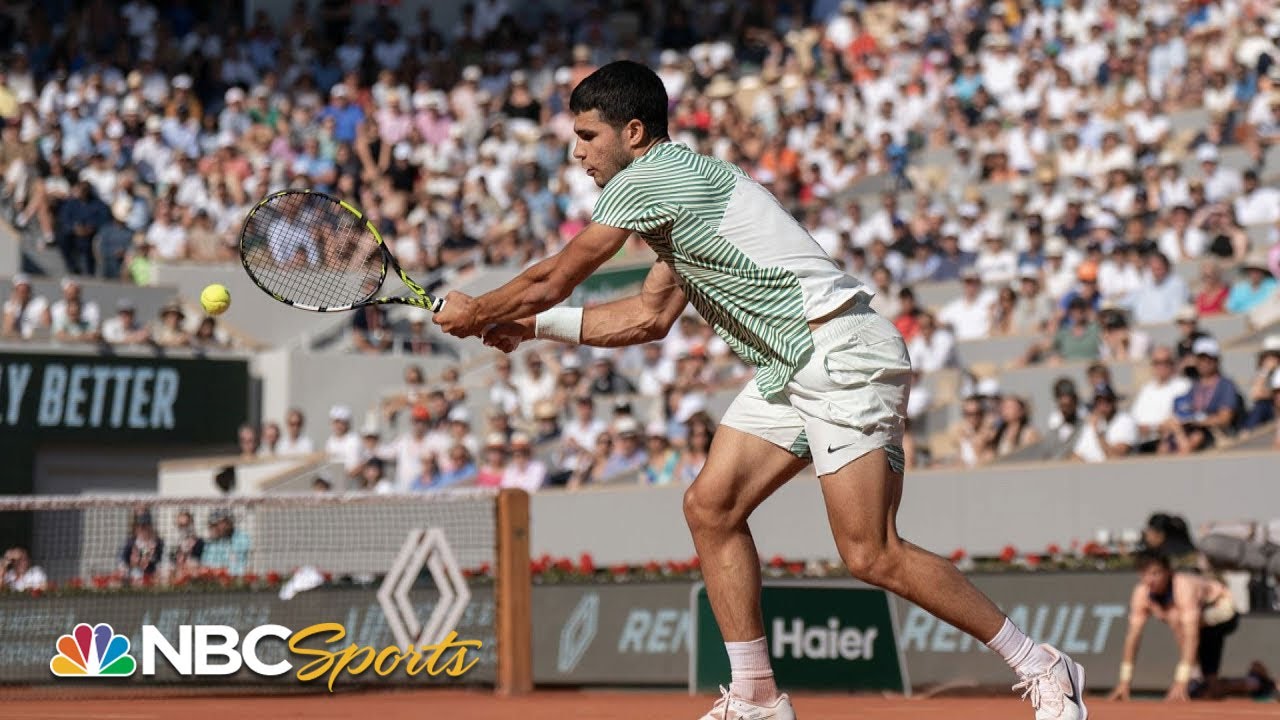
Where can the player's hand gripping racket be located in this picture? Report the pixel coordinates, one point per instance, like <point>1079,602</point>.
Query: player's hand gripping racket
<point>316,252</point>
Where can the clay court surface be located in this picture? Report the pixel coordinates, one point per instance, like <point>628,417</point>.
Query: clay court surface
<point>578,705</point>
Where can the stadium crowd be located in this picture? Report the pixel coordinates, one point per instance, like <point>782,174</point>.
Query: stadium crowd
<point>1037,153</point>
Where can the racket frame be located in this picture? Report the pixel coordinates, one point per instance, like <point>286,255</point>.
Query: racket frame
<point>420,299</point>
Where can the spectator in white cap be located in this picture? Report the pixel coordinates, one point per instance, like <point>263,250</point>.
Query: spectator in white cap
<point>124,328</point>
<point>1153,405</point>
<point>1221,184</point>
<point>343,446</point>
<point>71,290</point>
<point>71,326</point>
<point>663,460</point>
<point>293,441</point>
<point>1261,408</point>
<point>969,316</point>
<point>347,115</point>
<point>1257,286</point>
<point>628,451</point>
<point>1210,409</point>
<point>535,384</point>
<point>524,472</point>
<point>996,263</point>
<point>1034,309</point>
<point>234,119</point>
<point>24,311</point>
<point>1108,432</point>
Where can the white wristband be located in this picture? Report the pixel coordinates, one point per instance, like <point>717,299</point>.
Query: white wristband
<point>559,323</point>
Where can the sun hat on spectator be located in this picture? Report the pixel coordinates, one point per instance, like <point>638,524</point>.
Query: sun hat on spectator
<point>721,87</point>
<point>124,304</point>
<point>1055,247</point>
<point>1271,344</point>
<point>495,440</point>
<point>1188,313</point>
<point>656,429</point>
<point>21,279</point>
<point>1275,379</point>
<point>988,387</point>
<point>341,413</point>
<point>1028,272</point>
<point>420,413</point>
<point>218,516</point>
<point>520,440</point>
<point>626,426</point>
<point>182,82</point>
<point>459,415</point>
<point>370,427</point>
<point>1207,153</point>
<point>1255,261</point>
<point>545,410</point>
<point>1206,346</point>
<point>471,73</point>
<point>233,94</point>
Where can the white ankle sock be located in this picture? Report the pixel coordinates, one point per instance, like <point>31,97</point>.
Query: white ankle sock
<point>752,674</point>
<point>1022,654</point>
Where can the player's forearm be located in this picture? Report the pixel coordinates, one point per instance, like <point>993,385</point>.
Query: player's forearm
<point>620,323</point>
<point>536,289</point>
<point>1189,643</point>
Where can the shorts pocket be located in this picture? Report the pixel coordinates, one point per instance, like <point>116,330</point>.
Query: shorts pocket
<point>870,372</point>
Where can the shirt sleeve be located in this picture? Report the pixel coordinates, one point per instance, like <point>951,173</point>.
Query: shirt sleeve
<point>1122,431</point>
<point>624,205</point>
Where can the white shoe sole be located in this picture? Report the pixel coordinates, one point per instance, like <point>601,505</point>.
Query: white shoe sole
<point>1077,677</point>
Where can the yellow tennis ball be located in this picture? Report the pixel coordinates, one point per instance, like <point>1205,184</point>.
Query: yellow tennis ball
<point>215,299</point>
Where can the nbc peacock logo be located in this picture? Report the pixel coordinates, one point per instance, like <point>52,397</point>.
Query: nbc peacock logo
<point>93,651</point>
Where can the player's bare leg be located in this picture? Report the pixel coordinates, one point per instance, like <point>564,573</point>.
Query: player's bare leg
<point>741,472</point>
<point>862,501</point>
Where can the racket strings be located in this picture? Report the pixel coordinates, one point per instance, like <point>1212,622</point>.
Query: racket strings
<point>308,249</point>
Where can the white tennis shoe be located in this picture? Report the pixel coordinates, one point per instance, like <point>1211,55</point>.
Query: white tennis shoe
<point>729,707</point>
<point>1058,692</point>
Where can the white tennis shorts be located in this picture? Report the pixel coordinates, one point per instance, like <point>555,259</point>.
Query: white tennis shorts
<point>849,399</point>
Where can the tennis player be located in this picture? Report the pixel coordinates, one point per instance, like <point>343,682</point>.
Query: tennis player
<point>1198,609</point>
<point>830,387</point>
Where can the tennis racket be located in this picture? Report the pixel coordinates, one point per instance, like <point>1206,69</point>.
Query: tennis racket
<point>315,252</point>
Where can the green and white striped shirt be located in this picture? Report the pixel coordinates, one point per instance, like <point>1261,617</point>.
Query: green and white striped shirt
<point>751,270</point>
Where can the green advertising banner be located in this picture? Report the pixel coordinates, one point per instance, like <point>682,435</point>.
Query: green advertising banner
<point>610,284</point>
<point>111,399</point>
<point>821,637</point>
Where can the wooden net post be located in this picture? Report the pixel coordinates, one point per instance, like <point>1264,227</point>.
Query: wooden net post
<point>514,595</point>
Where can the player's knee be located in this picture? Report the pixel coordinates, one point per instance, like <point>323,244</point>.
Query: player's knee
<point>706,508</point>
<point>870,561</point>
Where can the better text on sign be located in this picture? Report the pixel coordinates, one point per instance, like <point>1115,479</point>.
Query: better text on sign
<point>188,399</point>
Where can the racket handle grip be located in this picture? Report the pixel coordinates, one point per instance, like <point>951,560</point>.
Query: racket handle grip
<point>437,305</point>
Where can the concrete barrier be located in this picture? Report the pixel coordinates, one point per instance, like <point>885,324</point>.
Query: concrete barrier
<point>1031,505</point>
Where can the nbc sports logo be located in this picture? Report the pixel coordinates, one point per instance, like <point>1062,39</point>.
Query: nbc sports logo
<point>93,651</point>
